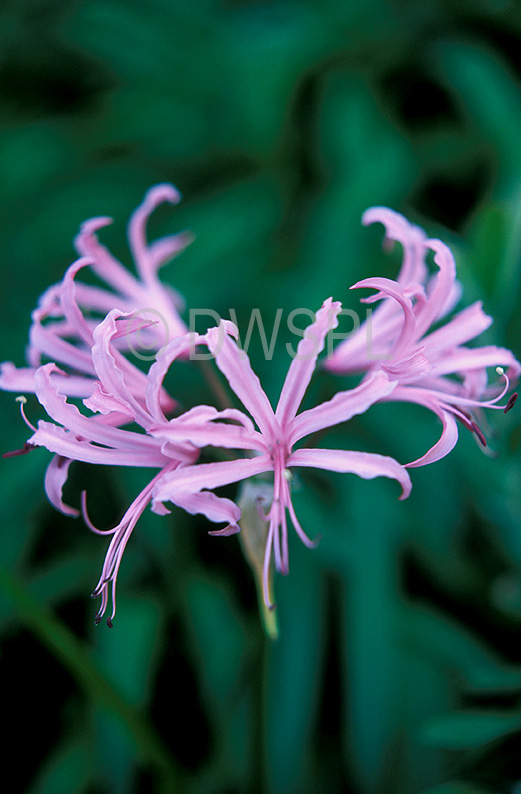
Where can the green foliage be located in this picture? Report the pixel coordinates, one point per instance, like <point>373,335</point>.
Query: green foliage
<point>397,669</point>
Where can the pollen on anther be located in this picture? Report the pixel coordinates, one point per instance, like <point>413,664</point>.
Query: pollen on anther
<point>21,400</point>
<point>500,371</point>
<point>287,474</point>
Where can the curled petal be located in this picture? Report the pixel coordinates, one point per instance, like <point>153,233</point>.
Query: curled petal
<point>410,236</point>
<point>392,289</point>
<point>176,348</point>
<point>55,478</point>
<point>445,444</point>
<point>137,239</point>
<point>364,464</point>
<point>106,266</point>
<point>443,285</point>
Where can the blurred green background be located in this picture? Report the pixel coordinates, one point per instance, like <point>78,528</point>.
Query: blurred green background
<point>398,667</point>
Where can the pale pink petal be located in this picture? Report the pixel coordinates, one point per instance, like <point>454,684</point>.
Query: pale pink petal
<point>364,464</point>
<point>69,302</point>
<point>104,264</point>
<point>466,325</point>
<point>49,344</point>
<point>186,488</point>
<point>103,403</point>
<point>111,368</point>
<point>176,348</point>
<point>370,343</point>
<point>445,444</point>
<point>235,366</point>
<point>410,236</point>
<point>55,478</point>
<point>392,289</point>
<point>89,428</point>
<point>137,237</point>
<point>166,248</point>
<point>342,407</point>
<point>203,427</point>
<point>192,479</point>
<point>62,442</point>
<point>215,508</point>
<point>464,358</point>
<point>409,369</point>
<point>441,287</point>
<point>303,364</point>
<point>101,301</point>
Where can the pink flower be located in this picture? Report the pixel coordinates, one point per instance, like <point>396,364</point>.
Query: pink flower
<point>272,442</point>
<point>64,321</point>
<point>98,438</point>
<point>433,368</point>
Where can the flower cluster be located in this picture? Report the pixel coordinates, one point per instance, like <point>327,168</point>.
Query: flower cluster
<point>104,408</point>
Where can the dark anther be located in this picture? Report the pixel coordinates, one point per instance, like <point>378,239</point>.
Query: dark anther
<point>23,451</point>
<point>97,620</point>
<point>110,623</point>
<point>479,433</point>
<point>511,402</point>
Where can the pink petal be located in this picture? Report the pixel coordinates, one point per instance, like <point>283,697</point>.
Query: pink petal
<point>466,325</point>
<point>342,407</point>
<point>235,366</point>
<point>69,302</point>
<point>215,508</point>
<point>392,289</point>
<point>111,368</point>
<point>105,404</point>
<point>137,239</point>
<point>176,348</point>
<point>364,464</point>
<point>410,236</point>
<point>48,343</point>
<point>106,266</point>
<point>17,379</point>
<point>410,369</point>
<point>465,358</point>
<point>303,364</point>
<point>163,250</point>
<point>220,434</point>
<point>192,479</point>
<point>441,292</point>
<point>89,428</point>
<point>62,442</point>
<point>55,478</point>
<point>445,444</point>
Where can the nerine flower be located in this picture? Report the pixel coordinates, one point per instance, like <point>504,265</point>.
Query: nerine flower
<point>272,442</point>
<point>433,368</point>
<point>68,312</point>
<point>98,438</point>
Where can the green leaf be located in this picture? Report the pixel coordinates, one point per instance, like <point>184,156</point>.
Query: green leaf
<point>468,730</point>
